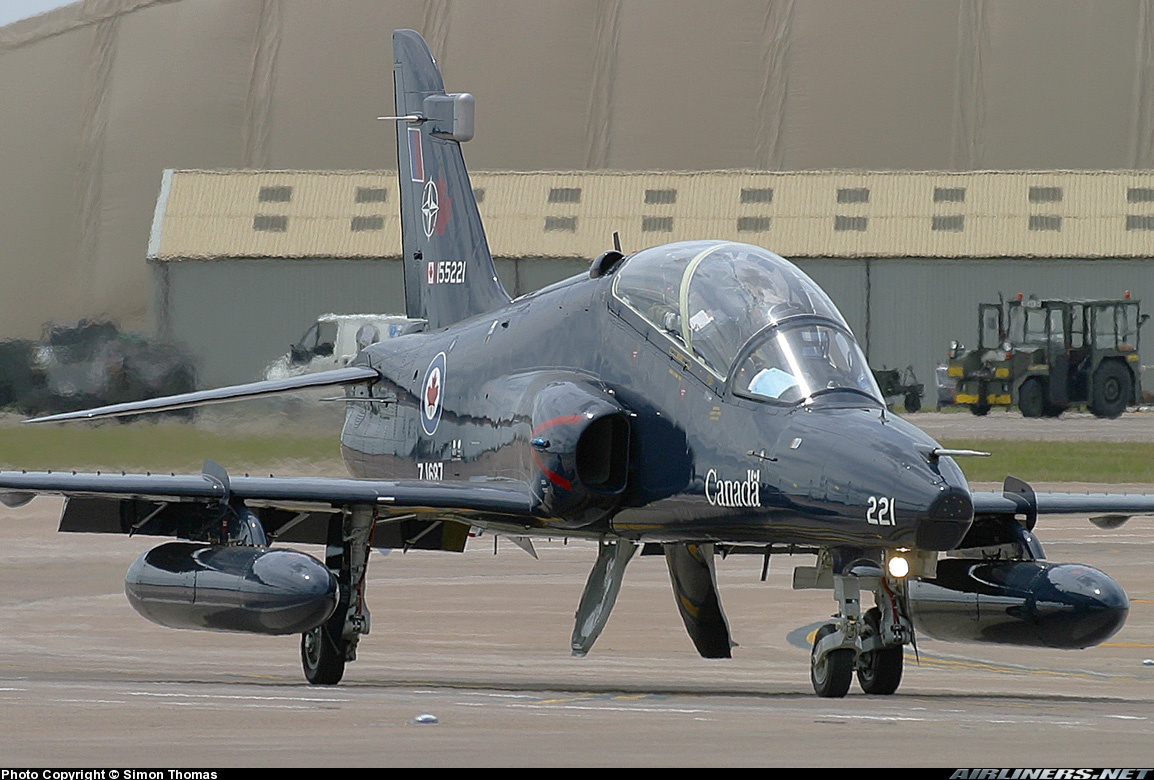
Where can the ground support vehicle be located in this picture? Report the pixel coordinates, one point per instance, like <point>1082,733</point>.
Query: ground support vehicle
<point>896,384</point>
<point>335,339</point>
<point>78,364</point>
<point>1048,355</point>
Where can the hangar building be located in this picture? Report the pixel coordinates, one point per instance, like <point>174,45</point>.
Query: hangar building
<point>103,96</point>
<point>238,255</point>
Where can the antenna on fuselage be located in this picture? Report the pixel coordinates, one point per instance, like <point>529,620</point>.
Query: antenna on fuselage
<point>616,240</point>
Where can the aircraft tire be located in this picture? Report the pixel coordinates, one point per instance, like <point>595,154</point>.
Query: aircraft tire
<point>1032,398</point>
<point>979,410</point>
<point>1113,387</point>
<point>832,675</point>
<point>322,660</point>
<point>880,672</point>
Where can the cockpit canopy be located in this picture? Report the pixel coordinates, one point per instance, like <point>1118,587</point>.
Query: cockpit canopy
<point>713,298</point>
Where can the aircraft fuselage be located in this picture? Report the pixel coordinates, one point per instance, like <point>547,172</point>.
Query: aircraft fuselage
<point>702,461</point>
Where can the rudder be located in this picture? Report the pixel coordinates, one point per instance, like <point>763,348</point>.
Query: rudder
<point>449,273</point>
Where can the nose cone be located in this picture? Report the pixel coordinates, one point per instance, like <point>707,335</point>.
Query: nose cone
<point>1078,606</point>
<point>874,461</point>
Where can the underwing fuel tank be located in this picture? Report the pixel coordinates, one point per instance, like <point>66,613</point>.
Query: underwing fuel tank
<point>1035,603</point>
<point>256,590</point>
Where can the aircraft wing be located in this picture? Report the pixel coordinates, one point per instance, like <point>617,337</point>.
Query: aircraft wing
<point>291,508</point>
<point>1105,510</point>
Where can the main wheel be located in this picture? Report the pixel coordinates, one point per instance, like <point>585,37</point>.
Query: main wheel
<point>1113,387</point>
<point>979,410</point>
<point>831,675</point>
<point>322,659</point>
<point>1032,398</point>
<point>879,672</point>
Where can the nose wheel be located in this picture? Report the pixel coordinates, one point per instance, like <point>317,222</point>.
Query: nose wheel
<point>830,672</point>
<point>879,671</point>
<point>869,644</point>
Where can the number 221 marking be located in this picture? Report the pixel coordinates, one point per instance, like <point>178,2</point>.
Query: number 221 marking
<point>881,511</point>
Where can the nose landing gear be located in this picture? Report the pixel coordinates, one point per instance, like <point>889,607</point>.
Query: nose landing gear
<point>872,645</point>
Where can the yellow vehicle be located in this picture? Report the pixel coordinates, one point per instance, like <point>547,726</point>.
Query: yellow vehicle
<point>1048,355</point>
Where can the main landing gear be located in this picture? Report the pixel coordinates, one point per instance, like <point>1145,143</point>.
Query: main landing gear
<point>871,644</point>
<point>326,649</point>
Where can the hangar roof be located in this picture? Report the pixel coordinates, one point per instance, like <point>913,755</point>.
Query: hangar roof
<point>294,214</point>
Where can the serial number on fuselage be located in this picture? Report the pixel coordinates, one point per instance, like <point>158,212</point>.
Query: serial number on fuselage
<point>880,511</point>
<point>445,272</point>
<point>431,470</point>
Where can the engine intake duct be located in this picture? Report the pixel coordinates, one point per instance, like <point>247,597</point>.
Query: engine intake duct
<point>580,451</point>
<point>250,589</point>
<point>1033,603</point>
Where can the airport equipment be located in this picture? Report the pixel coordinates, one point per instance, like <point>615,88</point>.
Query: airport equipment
<point>1046,355</point>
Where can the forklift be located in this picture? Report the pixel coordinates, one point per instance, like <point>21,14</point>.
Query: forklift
<point>1050,354</point>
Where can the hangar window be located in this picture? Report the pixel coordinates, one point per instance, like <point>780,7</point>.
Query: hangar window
<point>657,224</point>
<point>565,195</point>
<point>1045,222</point>
<point>275,194</point>
<point>660,197</point>
<point>268,223</point>
<point>1140,195</point>
<point>360,224</point>
<point>952,222</point>
<point>757,195</point>
<point>949,194</point>
<point>1139,222</point>
<point>372,194</point>
<point>1045,194</point>
<point>854,195</point>
<point>752,224</point>
<point>479,194</point>
<point>563,224</point>
<point>850,223</point>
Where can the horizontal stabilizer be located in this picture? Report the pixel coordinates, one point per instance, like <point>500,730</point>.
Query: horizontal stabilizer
<point>338,376</point>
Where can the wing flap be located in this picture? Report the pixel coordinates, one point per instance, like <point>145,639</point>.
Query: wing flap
<point>195,521</point>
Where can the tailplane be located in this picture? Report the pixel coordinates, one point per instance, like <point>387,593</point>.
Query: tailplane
<point>449,273</point>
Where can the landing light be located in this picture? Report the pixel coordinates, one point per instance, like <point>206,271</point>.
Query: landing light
<point>898,567</point>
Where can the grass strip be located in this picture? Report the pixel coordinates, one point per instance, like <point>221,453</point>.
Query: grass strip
<point>181,447</point>
<point>1058,461</point>
<point>166,446</point>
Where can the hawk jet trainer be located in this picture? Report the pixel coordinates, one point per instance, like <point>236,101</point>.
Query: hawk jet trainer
<point>693,400</point>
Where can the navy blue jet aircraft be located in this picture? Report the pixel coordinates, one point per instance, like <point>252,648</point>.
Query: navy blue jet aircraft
<point>697,399</point>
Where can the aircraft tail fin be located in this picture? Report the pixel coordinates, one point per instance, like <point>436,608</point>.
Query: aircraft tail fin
<point>449,273</point>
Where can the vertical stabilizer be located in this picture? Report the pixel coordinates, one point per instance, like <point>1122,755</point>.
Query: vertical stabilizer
<point>449,273</point>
